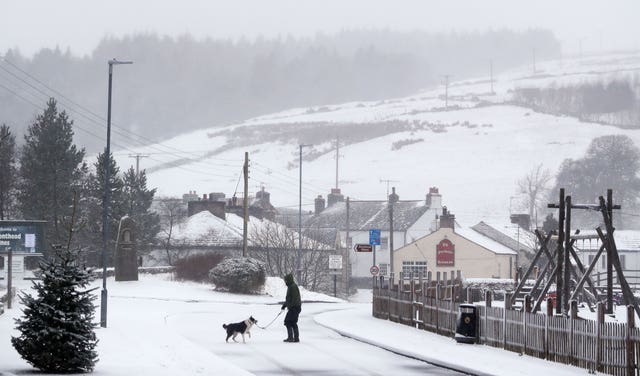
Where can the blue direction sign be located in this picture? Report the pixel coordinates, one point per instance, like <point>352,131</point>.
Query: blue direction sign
<point>374,237</point>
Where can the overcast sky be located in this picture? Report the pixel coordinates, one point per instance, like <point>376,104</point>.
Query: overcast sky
<point>80,24</point>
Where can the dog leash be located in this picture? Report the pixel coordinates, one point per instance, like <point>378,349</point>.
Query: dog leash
<point>274,319</point>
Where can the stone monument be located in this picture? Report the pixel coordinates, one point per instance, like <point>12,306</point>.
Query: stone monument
<point>126,257</point>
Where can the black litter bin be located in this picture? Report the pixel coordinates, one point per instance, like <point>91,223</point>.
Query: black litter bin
<point>467,325</point>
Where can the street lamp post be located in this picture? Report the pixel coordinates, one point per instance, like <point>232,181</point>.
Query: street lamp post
<point>299,254</point>
<point>105,200</point>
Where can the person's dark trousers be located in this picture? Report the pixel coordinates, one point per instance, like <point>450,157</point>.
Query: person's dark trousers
<point>291,322</point>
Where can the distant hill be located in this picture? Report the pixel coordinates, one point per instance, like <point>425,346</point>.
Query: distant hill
<point>474,149</point>
<point>183,84</point>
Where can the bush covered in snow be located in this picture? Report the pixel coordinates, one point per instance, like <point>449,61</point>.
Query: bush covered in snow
<point>196,267</point>
<point>239,274</point>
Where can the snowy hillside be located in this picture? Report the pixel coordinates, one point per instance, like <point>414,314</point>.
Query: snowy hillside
<point>474,151</point>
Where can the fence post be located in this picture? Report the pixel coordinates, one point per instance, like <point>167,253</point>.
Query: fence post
<point>389,288</point>
<point>525,311</point>
<point>437,310</point>
<point>398,305</point>
<point>599,322</point>
<point>631,316</point>
<point>452,314</point>
<point>487,303</point>
<point>547,317</point>
<point>573,316</point>
<point>507,298</point>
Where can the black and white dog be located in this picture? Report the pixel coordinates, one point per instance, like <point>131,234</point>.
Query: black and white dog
<point>242,327</point>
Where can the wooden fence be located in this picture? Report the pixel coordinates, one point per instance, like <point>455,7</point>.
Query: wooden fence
<point>598,346</point>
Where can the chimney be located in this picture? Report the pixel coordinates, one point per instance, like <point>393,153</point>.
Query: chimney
<point>434,198</point>
<point>319,201</point>
<point>393,197</point>
<point>263,196</point>
<point>334,196</point>
<point>447,220</point>
<point>204,197</point>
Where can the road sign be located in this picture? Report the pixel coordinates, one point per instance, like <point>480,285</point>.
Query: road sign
<point>374,270</point>
<point>374,237</point>
<point>335,261</point>
<point>363,248</point>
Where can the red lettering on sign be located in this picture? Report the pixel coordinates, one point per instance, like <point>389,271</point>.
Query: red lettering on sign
<point>445,253</point>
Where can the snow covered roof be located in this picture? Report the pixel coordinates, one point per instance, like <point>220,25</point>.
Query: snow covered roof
<point>626,240</point>
<point>484,241</point>
<point>512,236</point>
<point>205,229</point>
<point>365,215</point>
<point>258,227</point>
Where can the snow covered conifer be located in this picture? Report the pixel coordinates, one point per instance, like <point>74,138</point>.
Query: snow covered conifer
<point>57,329</point>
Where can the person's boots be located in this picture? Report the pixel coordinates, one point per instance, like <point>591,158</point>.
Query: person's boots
<point>289,334</point>
<point>296,334</point>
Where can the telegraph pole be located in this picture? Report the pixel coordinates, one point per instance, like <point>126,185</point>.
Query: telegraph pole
<point>446,91</point>
<point>138,157</point>
<point>491,75</point>
<point>245,203</point>
<point>337,158</point>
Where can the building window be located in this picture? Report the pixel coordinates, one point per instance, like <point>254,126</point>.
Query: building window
<point>384,243</point>
<point>604,261</point>
<point>349,242</point>
<point>414,267</point>
<point>591,257</point>
<point>623,263</point>
<point>384,269</point>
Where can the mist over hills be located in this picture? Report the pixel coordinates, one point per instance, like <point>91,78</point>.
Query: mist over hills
<point>181,84</point>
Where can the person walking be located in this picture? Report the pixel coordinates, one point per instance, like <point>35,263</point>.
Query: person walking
<point>293,304</point>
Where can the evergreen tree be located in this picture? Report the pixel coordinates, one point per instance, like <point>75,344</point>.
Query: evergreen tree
<point>137,203</point>
<point>51,168</point>
<point>91,233</point>
<point>8,168</point>
<point>57,330</point>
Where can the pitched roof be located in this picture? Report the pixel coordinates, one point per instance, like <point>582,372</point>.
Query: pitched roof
<point>506,238</point>
<point>365,215</point>
<point>205,229</point>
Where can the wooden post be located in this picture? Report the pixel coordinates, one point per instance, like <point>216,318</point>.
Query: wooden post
<point>504,327</point>
<point>437,307</point>
<point>566,278</point>
<point>549,306</point>
<point>546,326</point>
<point>487,303</point>
<point>507,300</point>
<point>600,308</point>
<point>438,282</point>
<point>525,311</point>
<point>609,256</point>
<point>453,308</point>
<point>573,316</point>
<point>631,316</point>
<point>560,262</point>
<point>526,307</point>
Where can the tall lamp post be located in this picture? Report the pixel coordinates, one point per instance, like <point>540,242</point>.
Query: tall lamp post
<point>299,254</point>
<point>105,200</point>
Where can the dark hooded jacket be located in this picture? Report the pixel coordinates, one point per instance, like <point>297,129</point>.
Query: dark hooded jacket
<point>293,293</point>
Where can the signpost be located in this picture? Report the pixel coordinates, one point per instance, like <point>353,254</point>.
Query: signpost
<point>374,270</point>
<point>363,248</point>
<point>335,267</point>
<point>374,239</point>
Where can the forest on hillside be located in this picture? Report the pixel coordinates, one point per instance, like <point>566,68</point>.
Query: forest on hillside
<point>181,84</point>
<point>612,101</point>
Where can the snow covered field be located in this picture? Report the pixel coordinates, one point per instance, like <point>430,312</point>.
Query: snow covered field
<point>161,327</point>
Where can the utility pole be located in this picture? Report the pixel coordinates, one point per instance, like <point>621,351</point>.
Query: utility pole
<point>393,198</point>
<point>446,91</point>
<point>337,158</point>
<point>349,247</point>
<point>245,203</point>
<point>138,157</point>
<point>491,75</point>
<point>299,255</point>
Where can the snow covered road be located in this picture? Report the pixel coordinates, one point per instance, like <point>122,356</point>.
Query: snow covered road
<point>320,352</point>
